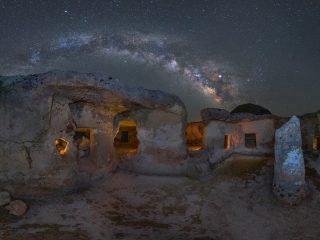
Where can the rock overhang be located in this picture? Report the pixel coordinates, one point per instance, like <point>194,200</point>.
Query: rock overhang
<point>96,88</point>
<point>217,114</point>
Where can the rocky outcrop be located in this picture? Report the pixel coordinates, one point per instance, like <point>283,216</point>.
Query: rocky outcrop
<point>225,133</point>
<point>194,135</point>
<point>216,114</point>
<point>209,114</point>
<point>45,117</point>
<point>162,149</point>
<point>17,208</point>
<point>4,198</point>
<point>289,171</point>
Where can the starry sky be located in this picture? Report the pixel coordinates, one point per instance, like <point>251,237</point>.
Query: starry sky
<point>211,53</point>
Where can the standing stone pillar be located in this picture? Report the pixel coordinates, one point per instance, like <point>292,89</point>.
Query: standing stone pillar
<point>289,172</point>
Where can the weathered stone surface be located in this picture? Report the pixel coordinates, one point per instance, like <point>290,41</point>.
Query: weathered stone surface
<point>309,130</point>
<point>162,149</point>
<point>208,114</point>
<point>251,108</point>
<point>248,119</point>
<point>4,198</point>
<point>216,114</point>
<point>17,207</point>
<point>36,110</point>
<point>198,165</point>
<point>194,135</point>
<point>289,171</point>
<point>215,133</point>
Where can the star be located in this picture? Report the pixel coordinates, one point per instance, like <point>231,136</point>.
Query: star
<point>206,46</point>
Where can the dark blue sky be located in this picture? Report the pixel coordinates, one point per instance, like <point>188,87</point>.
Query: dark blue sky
<point>210,53</point>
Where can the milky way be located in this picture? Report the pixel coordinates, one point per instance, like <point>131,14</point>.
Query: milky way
<point>210,53</point>
<point>212,79</point>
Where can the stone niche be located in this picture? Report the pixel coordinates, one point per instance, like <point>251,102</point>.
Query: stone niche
<point>126,142</point>
<point>58,131</point>
<point>194,136</point>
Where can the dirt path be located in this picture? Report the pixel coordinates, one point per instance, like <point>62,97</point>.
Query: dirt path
<point>234,203</point>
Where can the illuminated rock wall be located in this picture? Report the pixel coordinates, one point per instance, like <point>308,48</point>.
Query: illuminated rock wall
<point>194,135</point>
<point>162,149</point>
<point>220,123</point>
<point>36,110</point>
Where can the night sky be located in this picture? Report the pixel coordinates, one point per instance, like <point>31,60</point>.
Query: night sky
<point>210,53</point>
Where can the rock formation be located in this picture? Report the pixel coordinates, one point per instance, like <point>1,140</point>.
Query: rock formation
<point>289,171</point>
<point>225,133</point>
<point>216,114</point>
<point>58,130</point>
<point>4,198</point>
<point>17,207</point>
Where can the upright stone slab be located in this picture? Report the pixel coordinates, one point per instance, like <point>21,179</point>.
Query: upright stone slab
<point>289,172</point>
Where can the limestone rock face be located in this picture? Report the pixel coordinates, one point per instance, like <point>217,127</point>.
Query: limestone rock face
<point>162,149</point>
<point>4,198</point>
<point>209,114</point>
<point>57,130</point>
<point>216,114</point>
<point>289,171</point>
<point>17,208</point>
<point>222,139</point>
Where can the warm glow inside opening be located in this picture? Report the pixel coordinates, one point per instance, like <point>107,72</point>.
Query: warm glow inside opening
<point>126,141</point>
<point>316,143</point>
<point>227,142</point>
<point>194,136</point>
<point>61,146</point>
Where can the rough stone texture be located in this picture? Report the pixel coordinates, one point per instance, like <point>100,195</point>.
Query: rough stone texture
<point>209,114</point>
<point>194,135</point>
<point>35,110</point>
<point>162,149</point>
<point>17,207</point>
<point>289,171</point>
<point>198,164</point>
<point>5,198</point>
<point>220,122</point>
<point>216,114</point>
<point>251,108</point>
<point>214,137</point>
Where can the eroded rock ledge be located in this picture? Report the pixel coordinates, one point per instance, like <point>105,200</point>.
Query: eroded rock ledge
<point>58,130</point>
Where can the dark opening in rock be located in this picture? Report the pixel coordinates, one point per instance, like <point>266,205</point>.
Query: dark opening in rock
<point>83,139</point>
<point>194,136</point>
<point>250,140</point>
<point>61,146</point>
<point>126,141</point>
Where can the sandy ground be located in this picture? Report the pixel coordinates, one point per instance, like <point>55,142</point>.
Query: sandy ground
<point>235,202</point>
